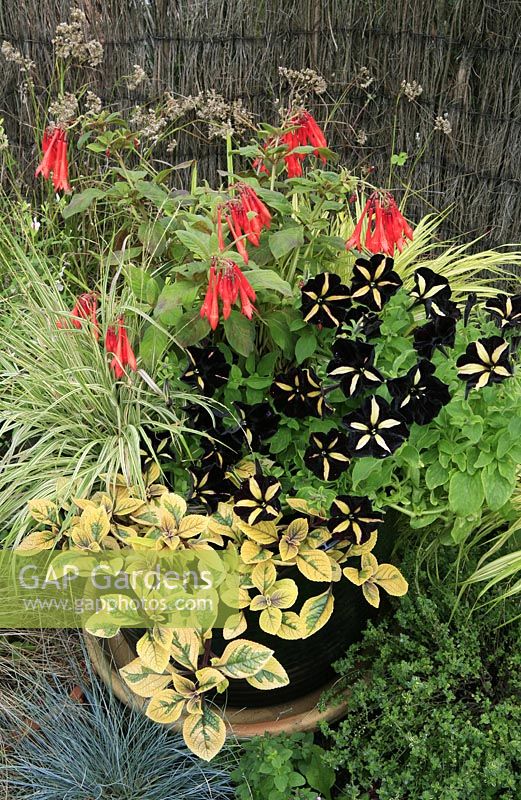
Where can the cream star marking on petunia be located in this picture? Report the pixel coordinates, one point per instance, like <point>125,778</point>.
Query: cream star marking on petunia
<point>372,430</point>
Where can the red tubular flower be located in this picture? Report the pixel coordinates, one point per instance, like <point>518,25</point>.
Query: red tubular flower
<point>305,131</point>
<point>246,292</point>
<point>54,161</point>
<point>246,218</point>
<point>60,175</point>
<point>47,164</point>
<point>386,227</point>
<point>111,339</point>
<point>228,285</point>
<point>123,353</point>
<point>86,307</point>
<point>210,307</point>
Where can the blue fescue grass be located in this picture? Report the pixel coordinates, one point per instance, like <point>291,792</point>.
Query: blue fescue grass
<point>57,749</point>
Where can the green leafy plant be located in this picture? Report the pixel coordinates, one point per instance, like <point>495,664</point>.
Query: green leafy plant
<point>285,767</point>
<point>434,707</point>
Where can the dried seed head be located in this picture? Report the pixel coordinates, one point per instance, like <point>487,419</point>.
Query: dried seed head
<point>93,103</point>
<point>137,77</point>
<point>361,136</point>
<point>70,41</point>
<point>14,56</point>
<point>303,83</point>
<point>411,90</point>
<point>363,79</point>
<point>64,109</point>
<point>442,123</point>
<point>4,141</point>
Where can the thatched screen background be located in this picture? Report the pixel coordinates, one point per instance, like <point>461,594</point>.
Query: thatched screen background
<point>464,53</point>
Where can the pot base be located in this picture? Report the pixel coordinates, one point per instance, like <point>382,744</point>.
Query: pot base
<point>242,723</point>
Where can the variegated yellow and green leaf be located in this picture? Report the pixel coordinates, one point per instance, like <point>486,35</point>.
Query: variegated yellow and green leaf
<point>38,541</point>
<point>315,613</point>
<point>270,620</point>
<point>204,733</point>
<point>43,511</point>
<point>242,658</point>
<point>153,655</point>
<point>165,707</point>
<point>144,681</point>
<point>283,593</point>
<point>271,676</point>
<point>315,565</point>
<point>186,646</point>
<point>263,576</point>
<point>209,678</point>
<point>234,626</point>
<point>291,626</point>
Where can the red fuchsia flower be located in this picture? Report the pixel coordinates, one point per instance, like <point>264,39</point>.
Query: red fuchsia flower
<point>246,217</point>
<point>304,131</point>
<point>54,161</point>
<point>210,307</point>
<point>117,342</point>
<point>86,307</point>
<point>226,283</point>
<point>111,339</point>
<point>386,227</point>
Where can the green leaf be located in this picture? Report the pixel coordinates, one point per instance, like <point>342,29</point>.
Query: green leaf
<point>153,345</point>
<point>144,286</point>
<point>268,279</point>
<point>240,333</point>
<point>285,241</point>
<point>173,296</point>
<point>152,192</point>
<point>466,494</point>
<point>197,243</point>
<point>306,345</point>
<point>399,159</point>
<point>435,476</point>
<point>153,237</point>
<point>81,202</point>
<point>191,329</point>
<point>278,328</point>
<point>498,489</point>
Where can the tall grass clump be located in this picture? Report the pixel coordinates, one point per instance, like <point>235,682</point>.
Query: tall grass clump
<point>63,416</point>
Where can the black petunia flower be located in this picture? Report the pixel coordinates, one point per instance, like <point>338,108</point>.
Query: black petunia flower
<point>375,429</point>
<point>374,281</point>
<point>353,366</point>
<point>428,285</point>
<point>207,369</point>
<point>259,421</point>
<point>442,308</point>
<point>327,455</point>
<point>353,519</point>
<point>298,393</point>
<point>223,448</point>
<point>325,300</point>
<point>419,396</point>
<point>359,320</point>
<point>439,332</point>
<point>484,362</point>
<point>505,310</point>
<point>209,487</point>
<point>257,500</point>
